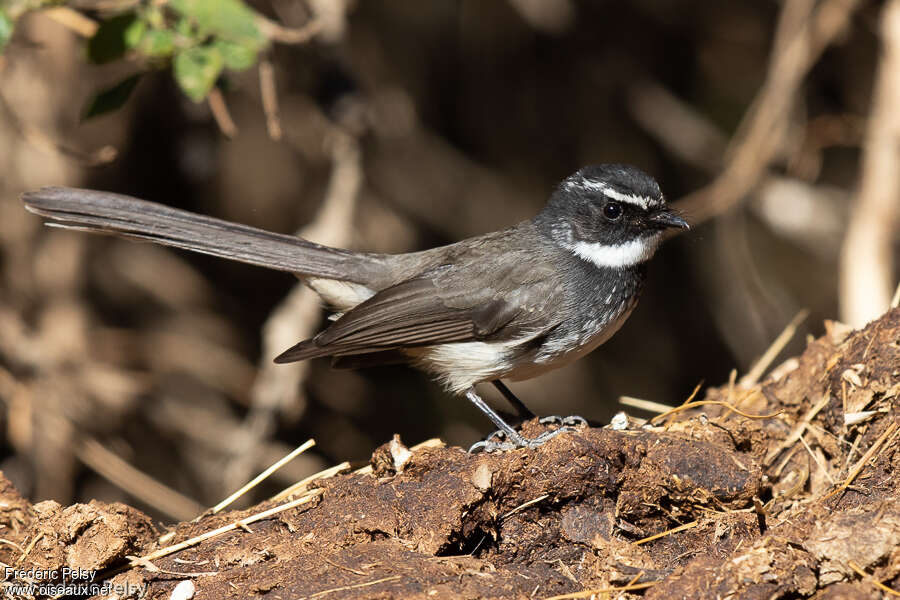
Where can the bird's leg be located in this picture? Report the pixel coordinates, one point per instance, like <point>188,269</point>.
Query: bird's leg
<point>525,413</point>
<point>513,439</point>
<point>511,434</point>
<point>522,411</point>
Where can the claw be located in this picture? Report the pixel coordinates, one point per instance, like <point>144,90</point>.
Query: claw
<point>497,442</point>
<point>507,438</point>
<point>570,421</point>
<point>491,446</point>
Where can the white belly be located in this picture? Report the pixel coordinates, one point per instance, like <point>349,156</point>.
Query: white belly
<point>461,365</point>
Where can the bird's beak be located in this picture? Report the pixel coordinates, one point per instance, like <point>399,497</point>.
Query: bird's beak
<point>665,219</point>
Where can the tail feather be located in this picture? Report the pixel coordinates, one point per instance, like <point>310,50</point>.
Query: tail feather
<point>301,351</point>
<point>129,217</point>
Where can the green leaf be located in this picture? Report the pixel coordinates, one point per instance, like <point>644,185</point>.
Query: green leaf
<point>109,42</point>
<point>185,28</point>
<point>157,43</point>
<point>196,70</point>
<point>111,98</point>
<point>6,29</point>
<point>230,20</point>
<point>154,16</point>
<point>135,33</point>
<point>237,57</point>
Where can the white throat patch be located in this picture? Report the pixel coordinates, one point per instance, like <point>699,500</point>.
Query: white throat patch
<point>617,256</point>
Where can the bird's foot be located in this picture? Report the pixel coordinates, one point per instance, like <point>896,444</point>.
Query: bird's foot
<point>570,421</point>
<point>500,440</point>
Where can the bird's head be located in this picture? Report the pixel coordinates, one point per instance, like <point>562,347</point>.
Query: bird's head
<point>611,215</point>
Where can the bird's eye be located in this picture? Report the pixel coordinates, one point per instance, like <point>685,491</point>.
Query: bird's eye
<point>612,210</point>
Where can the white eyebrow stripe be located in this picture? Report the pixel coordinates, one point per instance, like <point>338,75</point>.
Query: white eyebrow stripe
<point>595,186</point>
<point>642,202</point>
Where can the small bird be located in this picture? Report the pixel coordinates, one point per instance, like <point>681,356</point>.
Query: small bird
<point>505,305</point>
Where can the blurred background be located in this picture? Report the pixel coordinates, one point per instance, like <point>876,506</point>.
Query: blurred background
<point>131,372</point>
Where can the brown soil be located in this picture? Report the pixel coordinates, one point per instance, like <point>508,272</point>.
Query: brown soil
<point>797,505</point>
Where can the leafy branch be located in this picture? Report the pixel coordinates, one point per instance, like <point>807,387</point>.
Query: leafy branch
<point>197,39</point>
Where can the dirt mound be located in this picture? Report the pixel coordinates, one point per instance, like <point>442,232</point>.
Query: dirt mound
<point>704,503</point>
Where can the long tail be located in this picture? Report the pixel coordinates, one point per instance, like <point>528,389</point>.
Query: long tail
<point>105,212</point>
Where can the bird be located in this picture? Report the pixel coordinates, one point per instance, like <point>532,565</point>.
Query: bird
<point>506,305</point>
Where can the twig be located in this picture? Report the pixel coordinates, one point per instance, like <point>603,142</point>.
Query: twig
<point>524,505</point>
<point>137,483</point>
<point>853,449</point>
<point>798,430</point>
<point>862,461</point>
<point>344,588</point>
<point>300,485</point>
<point>871,578</point>
<point>689,399</point>
<point>288,35</point>
<point>220,113</point>
<point>45,143</point>
<point>759,367</point>
<point>11,543</point>
<point>29,548</point>
<point>148,565</point>
<point>758,139</point>
<point>635,579</point>
<point>817,461</point>
<point>694,393</point>
<point>647,405</point>
<point>630,586</point>
<point>867,263</point>
<point>269,98</point>
<point>345,567</point>
<point>73,20</point>
<point>597,591</point>
<point>668,532</point>
<point>566,571</point>
<point>721,403</point>
<point>136,560</point>
<point>262,476</point>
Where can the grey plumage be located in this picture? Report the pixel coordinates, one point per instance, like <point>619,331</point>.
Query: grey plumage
<point>139,219</point>
<point>508,304</point>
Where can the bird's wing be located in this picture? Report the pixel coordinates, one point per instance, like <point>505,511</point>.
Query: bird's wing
<point>423,311</point>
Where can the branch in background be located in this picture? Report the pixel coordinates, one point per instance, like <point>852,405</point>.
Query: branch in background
<point>677,126</point>
<point>332,15</point>
<point>45,143</point>
<point>269,96</point>
<point>867,266</point>
<point>784,203</point>
<point>201,41</point>
<point>288,35</point>
<point>220,113</point>
<point>74,20</point>
<point>276,386</point>
<point>296,318</point>
<point>550,16</point>
<point>125,476</point>
<point>759,139</point>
